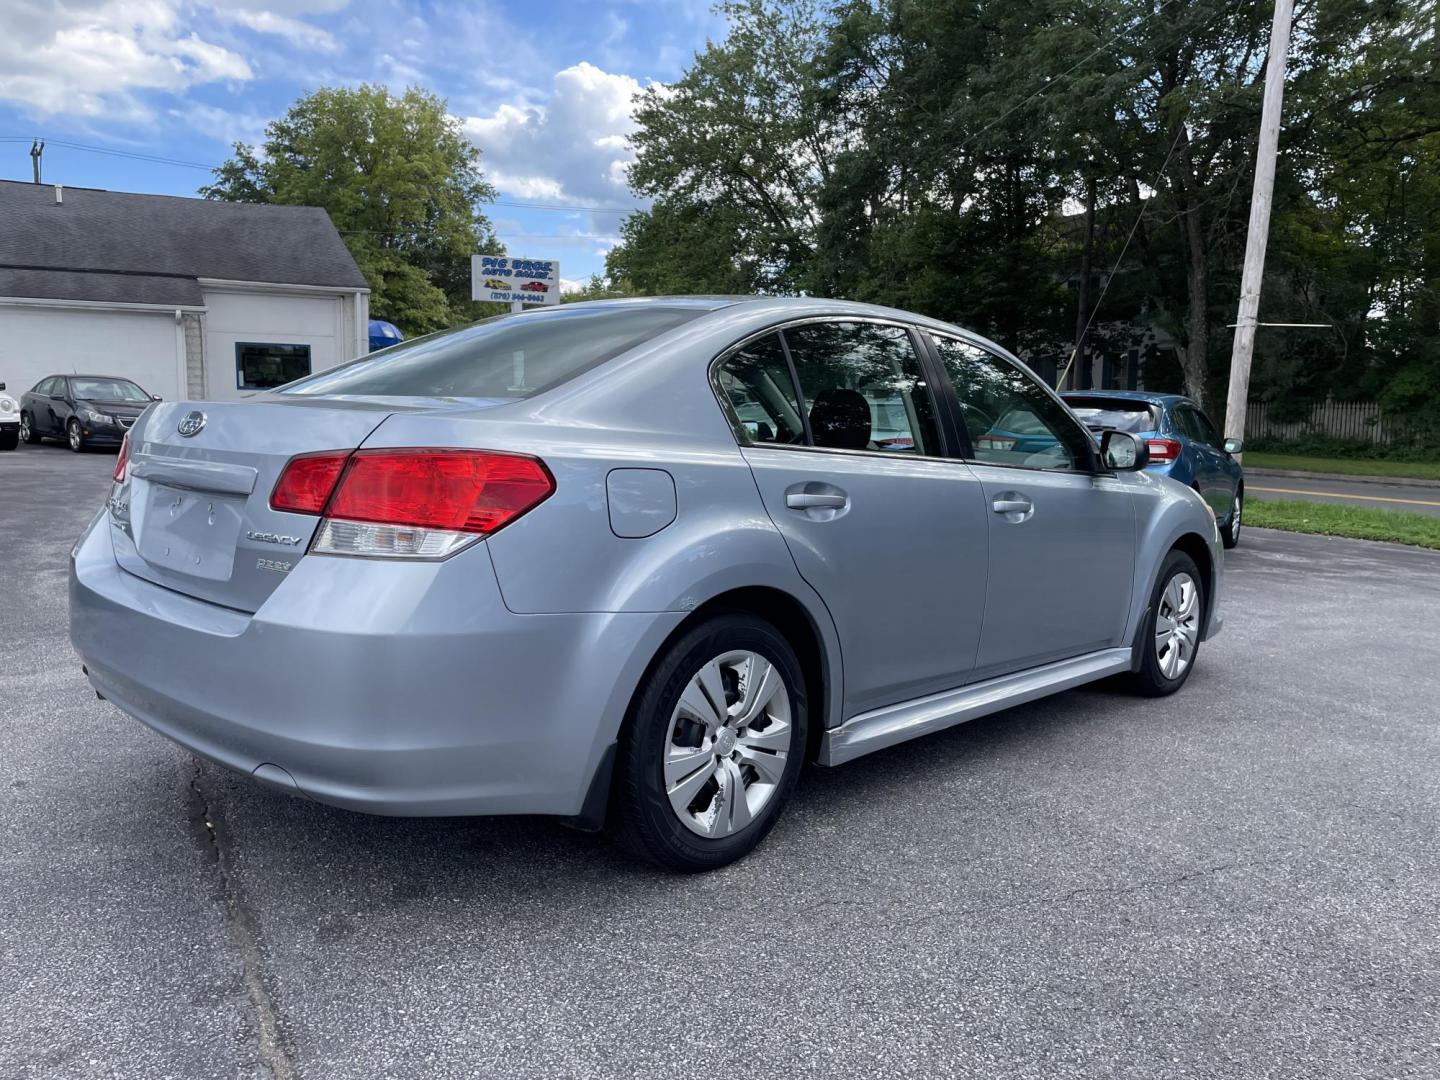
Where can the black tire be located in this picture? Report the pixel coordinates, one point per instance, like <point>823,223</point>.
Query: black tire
<point>27,429</point>
<point>74,437</point>
<point>1230,531</point>
<point>642,819</point>
<point>1151,679</point>
<point>10,438</point>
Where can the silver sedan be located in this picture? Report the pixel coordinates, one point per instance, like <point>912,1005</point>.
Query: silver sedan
<point>631,563</point>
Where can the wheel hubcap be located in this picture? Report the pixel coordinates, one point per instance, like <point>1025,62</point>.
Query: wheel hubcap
<point>74,435</point>
<point>1235,528</point>
<point>1177,625</point>
<point>25,427</point>
<point>728,742</point>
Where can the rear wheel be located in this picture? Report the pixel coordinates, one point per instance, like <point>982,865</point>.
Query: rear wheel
<point>713,745</point>
<point>27,430</point>
<point>74,436</point>
<point>1230,531</point>
<point>1170,636</point>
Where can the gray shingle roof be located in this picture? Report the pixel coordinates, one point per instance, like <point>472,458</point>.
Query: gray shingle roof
<point>119,247</point>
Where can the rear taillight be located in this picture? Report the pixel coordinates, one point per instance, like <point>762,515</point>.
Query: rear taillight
<point>122,462</point>
<point>412,503</point>
<point>1163,451</point>
<point>305,485</point>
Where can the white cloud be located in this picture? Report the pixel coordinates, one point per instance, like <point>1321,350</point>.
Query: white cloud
<point>573,147</point>
<point>297,31</point>
<point>93,59</point>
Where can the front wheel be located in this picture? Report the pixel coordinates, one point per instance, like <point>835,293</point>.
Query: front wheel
<point>1230,531</point>
<point>27,430</point>
<point>712,747</point>
<point>74,436</point>
<point>1170,636</point>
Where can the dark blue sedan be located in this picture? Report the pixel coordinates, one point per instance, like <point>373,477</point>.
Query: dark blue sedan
<point>1184,445</point>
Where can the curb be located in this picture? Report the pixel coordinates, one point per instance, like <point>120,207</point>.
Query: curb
<point>1381,481</point>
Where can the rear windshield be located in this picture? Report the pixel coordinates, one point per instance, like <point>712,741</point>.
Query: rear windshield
<point>1132,416</point>
<point>510,356</point>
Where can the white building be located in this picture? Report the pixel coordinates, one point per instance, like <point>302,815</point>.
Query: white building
<point>189,298</point>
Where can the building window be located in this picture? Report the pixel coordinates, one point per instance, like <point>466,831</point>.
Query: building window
<point>262,367</point>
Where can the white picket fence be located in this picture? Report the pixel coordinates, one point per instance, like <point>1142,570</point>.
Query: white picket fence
<point>1338,419</point>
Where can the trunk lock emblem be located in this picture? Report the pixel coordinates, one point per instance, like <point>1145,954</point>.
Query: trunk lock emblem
<point>191,424</point>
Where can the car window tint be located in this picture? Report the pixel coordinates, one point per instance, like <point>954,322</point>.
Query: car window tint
<point>46,386</point>
<point>1029,427</point>
<point>862,386</point>
<point>1188,423</point>
<point>510,356</point>
<point>756,382</point>
<point>1206,429</point>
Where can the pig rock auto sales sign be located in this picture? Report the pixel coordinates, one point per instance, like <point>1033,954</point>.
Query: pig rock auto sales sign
<point>507,280</point>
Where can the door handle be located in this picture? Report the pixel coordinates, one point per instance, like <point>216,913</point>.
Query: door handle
<point>1012,505</point>
<point>809,500</point>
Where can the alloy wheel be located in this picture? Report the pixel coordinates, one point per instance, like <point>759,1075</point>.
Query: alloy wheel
<point>1235,515</point>
<point>24,427</point>
<point>74,432</point>
<point>727,745</point>
<point>1177,625</point>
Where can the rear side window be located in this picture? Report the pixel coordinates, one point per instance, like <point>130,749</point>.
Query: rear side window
<point>511,356</point>
<point>862,387</point>
<point>756,382</point>
<point>1098,414</point>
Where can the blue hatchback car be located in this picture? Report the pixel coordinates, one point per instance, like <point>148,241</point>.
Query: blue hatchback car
<point>1184,445</point>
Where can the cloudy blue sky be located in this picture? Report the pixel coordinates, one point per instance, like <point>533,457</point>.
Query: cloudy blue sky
<point>544,88</point>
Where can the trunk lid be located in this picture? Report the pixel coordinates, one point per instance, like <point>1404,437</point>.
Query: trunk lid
<point>193,514</point>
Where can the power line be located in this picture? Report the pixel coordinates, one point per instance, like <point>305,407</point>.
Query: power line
<point>162,160</point>
<point>1144,205</point>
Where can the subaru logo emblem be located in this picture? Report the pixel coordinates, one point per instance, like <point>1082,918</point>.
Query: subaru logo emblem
<point>192,424</point>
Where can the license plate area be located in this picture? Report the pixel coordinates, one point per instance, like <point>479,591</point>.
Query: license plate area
<point>191,533</point>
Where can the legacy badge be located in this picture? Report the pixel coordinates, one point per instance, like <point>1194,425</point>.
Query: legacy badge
<point>273,538</point>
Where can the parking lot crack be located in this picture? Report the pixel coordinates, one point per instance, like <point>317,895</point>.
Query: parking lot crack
<point>244,933</point>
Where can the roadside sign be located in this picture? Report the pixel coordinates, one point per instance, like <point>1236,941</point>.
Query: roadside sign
<point>506,280</point>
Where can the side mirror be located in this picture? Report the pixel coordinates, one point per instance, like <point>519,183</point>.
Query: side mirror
<point>2,386</point>
<point>1234,446</point>
<point>156,397</point>
<point>1123,452</point>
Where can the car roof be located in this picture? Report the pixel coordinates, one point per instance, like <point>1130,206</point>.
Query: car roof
<point>1147,396</point>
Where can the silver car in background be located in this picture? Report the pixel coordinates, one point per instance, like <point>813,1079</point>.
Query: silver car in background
<point>631,563</point>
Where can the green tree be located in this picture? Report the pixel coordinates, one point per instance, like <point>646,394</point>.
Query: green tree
<point>401,183</point>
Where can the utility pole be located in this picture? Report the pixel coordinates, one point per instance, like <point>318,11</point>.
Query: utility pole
<point>37,147</point>
<point>1260,198</point>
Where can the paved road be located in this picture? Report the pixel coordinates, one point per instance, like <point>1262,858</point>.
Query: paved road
<point>1375,496</point>
<point>1242,881</point>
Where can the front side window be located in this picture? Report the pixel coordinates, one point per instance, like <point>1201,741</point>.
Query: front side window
<point>862,387</point>
<point>1205,428</point>
<point>265,366</point>
<point>756,382</point>
<point>1009,416</point>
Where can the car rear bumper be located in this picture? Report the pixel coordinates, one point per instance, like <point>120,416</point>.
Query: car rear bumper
<point>397,688</point>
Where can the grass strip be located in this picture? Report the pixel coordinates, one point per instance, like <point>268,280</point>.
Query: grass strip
<point>1359,523</point>
<point>1422,470</point>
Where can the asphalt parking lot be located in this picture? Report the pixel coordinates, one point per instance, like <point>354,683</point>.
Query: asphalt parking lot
<point>1242,881</point>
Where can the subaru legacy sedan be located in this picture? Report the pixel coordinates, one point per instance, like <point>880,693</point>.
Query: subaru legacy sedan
<point>630,563</point>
